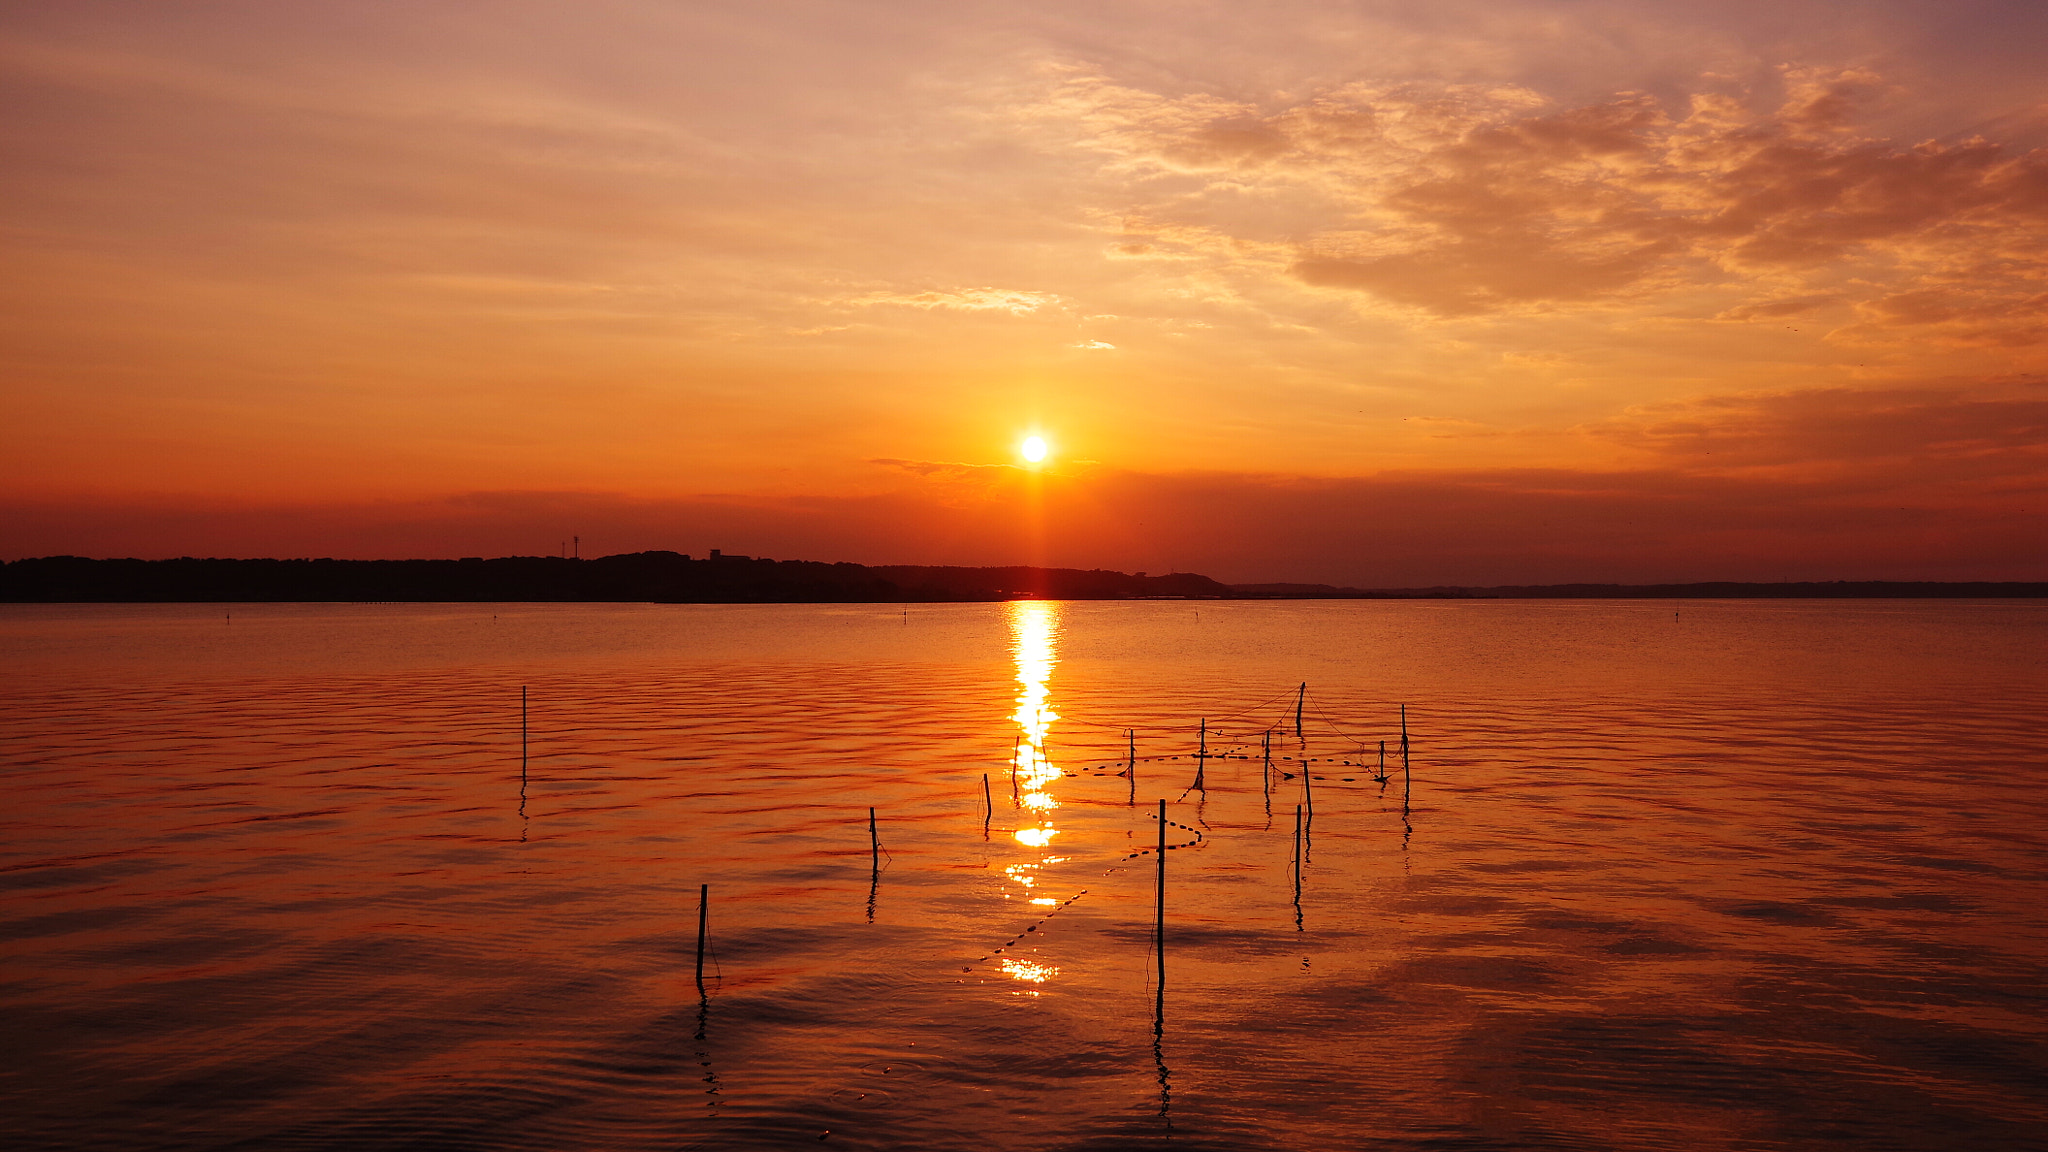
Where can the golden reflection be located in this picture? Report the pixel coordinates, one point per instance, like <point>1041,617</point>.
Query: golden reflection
<point>1034,638</point>
<point>1028,970</point>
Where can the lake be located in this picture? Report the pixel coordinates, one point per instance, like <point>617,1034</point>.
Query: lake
<point>1654,875</point>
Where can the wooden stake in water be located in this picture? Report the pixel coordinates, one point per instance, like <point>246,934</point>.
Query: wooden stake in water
<point>1131,766</point>
<point>874,841</point>
<point>988,804</point>
<point>703,926</point>
<point>1300,697</point>
<point>1297,868</point>
<point>1266,774</point>
<point>1202,758</point>
<point>1159,911</point>
<point>1407,782</point>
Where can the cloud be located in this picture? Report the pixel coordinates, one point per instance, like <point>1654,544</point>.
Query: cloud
<point>1463,200</point>
<point>1933,434</point>
<point>964,300</point>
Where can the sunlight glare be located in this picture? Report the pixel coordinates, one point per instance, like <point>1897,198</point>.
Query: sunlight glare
<point>1034,448</point>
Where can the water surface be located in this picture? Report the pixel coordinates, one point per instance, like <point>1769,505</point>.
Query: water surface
<point>1706,875</point>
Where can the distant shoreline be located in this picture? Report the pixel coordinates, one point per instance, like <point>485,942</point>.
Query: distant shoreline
<point>670,577</point>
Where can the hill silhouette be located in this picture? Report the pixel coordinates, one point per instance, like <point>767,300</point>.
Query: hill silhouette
<point>671,577</point>
<point>635,576</point>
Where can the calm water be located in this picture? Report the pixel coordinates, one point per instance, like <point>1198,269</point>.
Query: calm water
<point>1712,875</point>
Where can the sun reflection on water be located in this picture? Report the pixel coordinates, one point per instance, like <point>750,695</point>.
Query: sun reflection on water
<point>1034,632</point>
<point>1029,970</point>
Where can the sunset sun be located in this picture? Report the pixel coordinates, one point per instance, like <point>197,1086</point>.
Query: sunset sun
<point>1033,449</point>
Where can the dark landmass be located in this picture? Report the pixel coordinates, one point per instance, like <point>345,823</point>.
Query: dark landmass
<point>669,577</point>
<point>637,576</point>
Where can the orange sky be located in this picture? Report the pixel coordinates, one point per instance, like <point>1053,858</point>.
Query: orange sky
<point>1374,293</point>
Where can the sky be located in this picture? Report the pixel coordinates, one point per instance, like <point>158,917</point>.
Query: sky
<point>1383,294</point>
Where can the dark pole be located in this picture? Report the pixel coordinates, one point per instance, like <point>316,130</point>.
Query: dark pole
<point>874,840</point>
<point>1300,696</point>
<point>522,738</point>
<point>1159,912</point>
<point>1131,769</point>
<point>1202,757</point>
<point>1266,775</point>
<point>1406,782</point>
<point>988,804</point>
<point>703,924</point>
<point>1297,868</point>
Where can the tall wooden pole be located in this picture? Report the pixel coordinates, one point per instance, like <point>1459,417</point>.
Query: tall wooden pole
<point>1406,781</point>
<point>703,926</point>
<point>1300,697</point>
<point>1266,774</point>
<point>1159,912</point>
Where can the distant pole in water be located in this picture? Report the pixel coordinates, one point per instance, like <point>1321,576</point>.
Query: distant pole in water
<point>1382,777</point>
<point>703,926</point>
<point>1407,782</point>
<point>1307,796</point>
<point>1300,697</point>
<point>1297,868</point>
<point>1202,757</point>
<point>1266,774</point>
<point>874,841</point>
<point>522,738</point>
<point>988,804</point>
<point>1016,747</point>
<point>1131,768</point>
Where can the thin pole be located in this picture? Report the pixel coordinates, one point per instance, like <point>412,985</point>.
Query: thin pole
<point>875,873</point>
<point>1202,757</point>
<point>1307,796</point>
<point>1297,867</point>
<point>522,738</point>
<point>1159,911</point>
<point>1406,781</point>
<point>1266,775</point>
<point>1300,696</point>
<point>703,925</point>
<point>1131,768</point>
<point>988,804</point>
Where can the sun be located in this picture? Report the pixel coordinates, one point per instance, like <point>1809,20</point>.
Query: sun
<point>1033,449</point>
